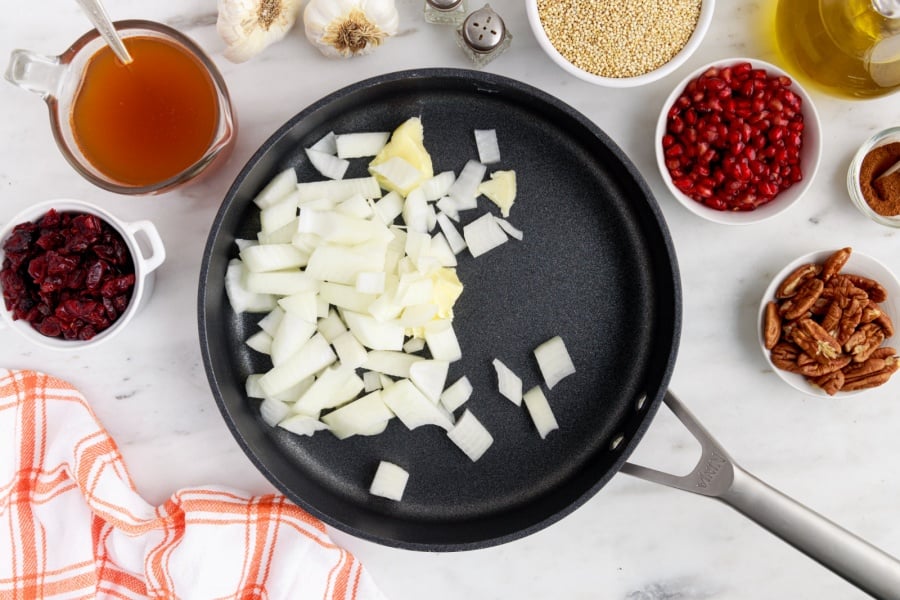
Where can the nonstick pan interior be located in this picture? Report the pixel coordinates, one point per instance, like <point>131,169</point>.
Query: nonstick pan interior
<point>596,267</point>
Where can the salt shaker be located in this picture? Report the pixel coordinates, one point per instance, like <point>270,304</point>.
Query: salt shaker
<point>483,36</point>
<point>445,12</point>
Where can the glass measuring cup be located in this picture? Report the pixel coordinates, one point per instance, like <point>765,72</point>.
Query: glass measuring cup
<point>65,81</point>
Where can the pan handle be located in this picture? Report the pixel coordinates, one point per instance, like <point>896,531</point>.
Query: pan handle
<point>718,476</point>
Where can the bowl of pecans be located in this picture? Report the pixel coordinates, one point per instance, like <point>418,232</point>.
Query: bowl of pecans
<point>619,43</point>
<point>826,323</point>
<point>738,141</point>
<point>73,275</point>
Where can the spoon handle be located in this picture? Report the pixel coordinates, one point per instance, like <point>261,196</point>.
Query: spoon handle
<point>97,14</point>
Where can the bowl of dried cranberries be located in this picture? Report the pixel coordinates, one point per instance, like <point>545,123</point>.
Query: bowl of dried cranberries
<point>73,275</point>
<point>738,141</point>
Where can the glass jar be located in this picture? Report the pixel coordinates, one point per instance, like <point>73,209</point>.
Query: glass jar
<point>445,12</point>
<point>483,36</point>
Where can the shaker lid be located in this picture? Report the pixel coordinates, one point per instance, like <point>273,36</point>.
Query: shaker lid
<point>887,8</point>
<point>444,4</point>
<point>483,30</point>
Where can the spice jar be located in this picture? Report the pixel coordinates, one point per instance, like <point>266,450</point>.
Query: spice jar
<point>483,36</point>
<point>445,12</point>
<point>877,199</point>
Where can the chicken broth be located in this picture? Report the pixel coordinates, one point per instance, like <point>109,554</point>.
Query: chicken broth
<point>148,121</point>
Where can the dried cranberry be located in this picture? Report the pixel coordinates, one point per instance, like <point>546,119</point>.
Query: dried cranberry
<point>69,275</point>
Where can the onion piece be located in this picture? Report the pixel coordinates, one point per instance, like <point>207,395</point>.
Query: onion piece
<point>389,481</point>
<point>441,251</point>
<point>456,394</point>
<point>328,165</point>
<point>316,354</point>
<point>509,229</point>
<point>359,417</point>
<point>292,333</point>
<point>303,304</point>
<point>321,394</point>
<point>447,206</point>
<point>281,185</point>
<point>337,190</point>
<point>279,214</point>
<point>389,207</point>
<point>356,206</point>
<point>488,148</point>
<point>252,387</point>
<point>333,226</point>
<point>508,383</point>
<point>282,235</point>
<point>456,241</point>
<point>370,282</point>
<point>483,234</point>
<point>273,257</point>
<point>554,361</point>
<point>342,264</point>
<point>241,299</point>
<point>540,411</point>
<point>412,407</point>
<point>415,211</point>
<point>471,436</point>
<point>465,189</point>
<point>302,424</point>
<point>270,322</point>
<point>349,351</point>
<point>374,334</point>
<point>260,341</point>
<point>371,381</point>
<point>429,376</point>
<point>442,342</point>
<point>345,296</point>
<point>398,173</point>
<point>438,186</point>
<point>358,145</point>
<point>390,362</point>
<point>501,190</point>
<point>327,143</point>
<point>280,283</point>
<point>413,345</point>
<point>331,326</point>
<point>273,411</point>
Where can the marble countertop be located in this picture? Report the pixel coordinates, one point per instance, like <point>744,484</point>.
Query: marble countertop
<point>634,540</point>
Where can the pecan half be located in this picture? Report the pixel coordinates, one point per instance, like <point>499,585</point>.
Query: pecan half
<point>850,318</point>
<point>771,325</point>
<point>815,341</point>
<point>784,356</point>
<point>874,289</point>
<point>864,342</point>
<point>886,324</point>
<point>807,294</point>
<point>832,318</point>
<point>793,281</point>
<point>834,263</point>
<point>831,383</point>
<point>870,313</point>
<point>811,369</point>
<point>874,379</point>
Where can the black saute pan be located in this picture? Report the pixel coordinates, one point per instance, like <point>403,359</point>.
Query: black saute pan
<point>596,267</point>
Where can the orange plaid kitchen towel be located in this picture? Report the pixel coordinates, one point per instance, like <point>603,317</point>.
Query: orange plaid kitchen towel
<point>72,524</point>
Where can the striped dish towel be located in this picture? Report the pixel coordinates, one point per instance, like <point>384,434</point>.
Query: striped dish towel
<point>72,524</point>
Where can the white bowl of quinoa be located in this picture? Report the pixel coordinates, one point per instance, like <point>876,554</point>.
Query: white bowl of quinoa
<point>619,43</point>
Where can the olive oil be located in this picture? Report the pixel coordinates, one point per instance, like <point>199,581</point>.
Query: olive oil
<point>145,122</point>
<point>845,47</point>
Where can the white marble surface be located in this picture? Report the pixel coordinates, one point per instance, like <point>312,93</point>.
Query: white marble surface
<point>633,541</point>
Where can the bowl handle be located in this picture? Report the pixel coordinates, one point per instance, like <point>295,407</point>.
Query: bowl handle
<point>157,249</point>
<point>718,476</point>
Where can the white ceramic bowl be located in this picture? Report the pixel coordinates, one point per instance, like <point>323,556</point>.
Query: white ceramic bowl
<point>858,264</point>
<point>885,136</point>
<point>147,257</point>
<point>706,14</point>
<point>810,153</point>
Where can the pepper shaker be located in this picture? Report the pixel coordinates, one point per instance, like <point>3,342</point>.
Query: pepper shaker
<point>445,12</point>
<point>483,36</point>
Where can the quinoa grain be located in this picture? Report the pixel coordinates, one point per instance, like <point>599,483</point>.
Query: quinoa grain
<point>619,38</point>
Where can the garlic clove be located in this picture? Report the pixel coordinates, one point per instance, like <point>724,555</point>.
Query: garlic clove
<point>249,26</point>
<point>345,28</point>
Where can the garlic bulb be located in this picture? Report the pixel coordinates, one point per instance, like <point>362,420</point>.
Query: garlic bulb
<point>248,26</point>
<point>344,28</point>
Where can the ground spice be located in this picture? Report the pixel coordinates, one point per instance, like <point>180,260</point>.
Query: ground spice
<point>619,38</point>
<point>882,196</point>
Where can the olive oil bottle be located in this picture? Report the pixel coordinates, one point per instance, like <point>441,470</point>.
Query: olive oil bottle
<point>849,48</point>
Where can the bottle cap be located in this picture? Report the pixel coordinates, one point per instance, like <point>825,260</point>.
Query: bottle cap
<point>444,4</point>
<point>483,30</point>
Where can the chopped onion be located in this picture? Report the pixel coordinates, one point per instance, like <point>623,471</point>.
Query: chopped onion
<point>316,354</point>
<point>438,186</point>
<point>345,296</point>
<point>429,376</point>
<point>465,189</point>
<point>322,393</point>
<point>371,381</point>
<point>273,411</point>
<point>412,407</point>
<point>442,342</point>
<point>440,250</point>
<point>359,417</point>
<point>357,145</point>
<point>415,211</point>
<point>501,190</point>
<point>282,235</point>
<point>349,351</point>
<point>413,345</point>
<point>483,234</point>
<point>280,283</point>
<point>327,143</point>
<point>281,185</point>
<point>303,304</point>
<point>389,207</point>
<point>398,173</point>
<point>252,387</point>
<point>456,241</point>
<point>488,148</point>
<point>509,229</point>
<point>273,257</point>
<point>292,333</point>
<point>540,411</point>
<point>331,326</point>
<point>456,394</point>
<point>374,334</point>
<point>260,341</point>
<point>302,424</point>
<point>447,206</point>
<point>390,362</point>
<point>278,215</point>
<point>342,264</point>
<point>370,282</point>
<point>554,361</point>
<point>327,165</point>
<point>389,481</point>
<point>240,298</point>
<point>508,383</point>
<point>470,436</point>
<point>337,190</point>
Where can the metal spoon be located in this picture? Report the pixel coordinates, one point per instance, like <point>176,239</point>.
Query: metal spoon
<point>97,14</point>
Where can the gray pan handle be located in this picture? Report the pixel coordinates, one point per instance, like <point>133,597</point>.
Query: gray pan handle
<point>718,476</point>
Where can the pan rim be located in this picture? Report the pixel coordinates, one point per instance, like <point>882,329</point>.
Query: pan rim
<point>649,406</point>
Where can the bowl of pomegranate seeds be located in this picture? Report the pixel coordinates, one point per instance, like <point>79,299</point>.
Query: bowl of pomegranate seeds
<point>738,141</point>
<point>73,275</point>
